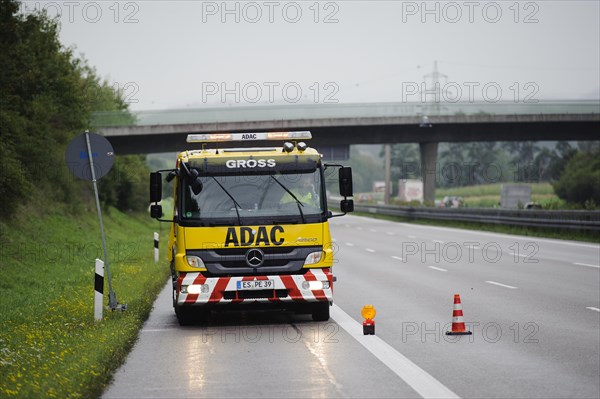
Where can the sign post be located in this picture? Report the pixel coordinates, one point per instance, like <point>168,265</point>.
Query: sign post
<point>90,157</point>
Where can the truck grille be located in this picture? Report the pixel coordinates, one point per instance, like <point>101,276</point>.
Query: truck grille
<point>232,261</point>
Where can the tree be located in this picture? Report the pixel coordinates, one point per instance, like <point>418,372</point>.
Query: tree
<point>46,100</point>
<point>580,181</point>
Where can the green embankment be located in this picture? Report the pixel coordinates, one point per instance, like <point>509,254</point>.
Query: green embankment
<point>50,345</point>
<point>488,195</point>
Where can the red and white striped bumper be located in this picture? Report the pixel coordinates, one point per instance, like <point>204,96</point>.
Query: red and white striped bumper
<point>223,290</point>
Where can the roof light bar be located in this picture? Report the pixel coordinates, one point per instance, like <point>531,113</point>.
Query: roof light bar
<point>252,136</point>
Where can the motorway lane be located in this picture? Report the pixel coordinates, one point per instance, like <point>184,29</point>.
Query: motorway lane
<point>267,354</point>
<point>549,342</point>
<point>535,340</point>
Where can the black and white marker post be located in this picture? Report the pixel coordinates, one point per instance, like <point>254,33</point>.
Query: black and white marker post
<point>98,290</point>
<point>155,247</point>
<point>78,152</point>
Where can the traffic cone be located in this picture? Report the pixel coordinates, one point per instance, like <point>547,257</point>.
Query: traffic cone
<point>458,324</point>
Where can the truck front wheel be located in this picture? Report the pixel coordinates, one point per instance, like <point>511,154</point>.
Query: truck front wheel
<point>190,315</point>
<point>320,311</point>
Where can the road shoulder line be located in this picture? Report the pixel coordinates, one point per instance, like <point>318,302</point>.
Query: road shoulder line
<point>417,378</point>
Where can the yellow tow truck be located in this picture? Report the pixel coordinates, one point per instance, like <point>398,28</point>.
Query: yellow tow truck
<point>250,224</point>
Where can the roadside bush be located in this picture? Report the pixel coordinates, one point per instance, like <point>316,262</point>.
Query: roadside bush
<point>580,181</point>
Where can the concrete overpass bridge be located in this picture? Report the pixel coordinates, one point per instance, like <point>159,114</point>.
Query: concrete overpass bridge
<point>337,126</point>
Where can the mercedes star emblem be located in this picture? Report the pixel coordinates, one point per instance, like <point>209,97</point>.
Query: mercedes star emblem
<point>255,257</point>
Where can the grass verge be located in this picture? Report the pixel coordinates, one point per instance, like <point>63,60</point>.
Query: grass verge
<point>587,236</point>
<point>50,345</point>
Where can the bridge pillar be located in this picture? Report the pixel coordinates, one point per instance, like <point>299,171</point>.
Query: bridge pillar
<point>428,164</point>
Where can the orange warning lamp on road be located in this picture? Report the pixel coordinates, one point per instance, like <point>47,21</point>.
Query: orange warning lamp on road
<point>368,312</point>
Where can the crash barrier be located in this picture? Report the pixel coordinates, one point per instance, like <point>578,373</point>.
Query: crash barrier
<point>574,220</point>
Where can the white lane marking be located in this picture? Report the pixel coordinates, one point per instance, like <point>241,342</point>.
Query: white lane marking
<point>438,241</point>
<point>587,264</point>
<point>417,378</point>
<point>334,239</point>
<point>358,228</point>
<point>349,244</point>
<point>591,308</point>
<point>369,250</point>
<point>501,285</point>
<point>412,237</point>
<point>390,233</point>
<point>373,231</point>
<point>439,269</point>
<point>397,258</point>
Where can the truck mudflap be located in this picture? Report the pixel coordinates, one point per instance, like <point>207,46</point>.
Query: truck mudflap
<point>316,285</point>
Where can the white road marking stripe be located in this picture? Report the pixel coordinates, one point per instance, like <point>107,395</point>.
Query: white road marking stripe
<point>438,241</point>
<point>412,237</point>
<point>369,250</point>
<point>587,264</point>
<point>501,285</point>
<point>439,269</point>
<point>349,244</point>
<point>417,378</point>
<point>397,258</point>
<point>390,233</point>
<point>591,308</point>
<point>373,231</point>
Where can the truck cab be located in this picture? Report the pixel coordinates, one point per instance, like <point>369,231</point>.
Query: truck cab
<point>250,225</point>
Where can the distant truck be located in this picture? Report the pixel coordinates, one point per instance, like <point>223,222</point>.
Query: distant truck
<point>410,190</point>
<point>250,225</point>
<point>514,196</point>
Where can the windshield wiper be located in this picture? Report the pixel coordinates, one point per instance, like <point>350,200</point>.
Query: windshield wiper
<point>298,203</point>
<point>233,199</point>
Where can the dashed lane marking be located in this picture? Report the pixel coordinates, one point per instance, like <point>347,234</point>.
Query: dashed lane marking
<point>501,285</point>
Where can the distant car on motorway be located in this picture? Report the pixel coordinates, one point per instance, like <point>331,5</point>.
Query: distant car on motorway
<point>532,205</point>
<point>452,202</point>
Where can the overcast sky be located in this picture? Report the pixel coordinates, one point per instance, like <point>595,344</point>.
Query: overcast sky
<point>180,54</point>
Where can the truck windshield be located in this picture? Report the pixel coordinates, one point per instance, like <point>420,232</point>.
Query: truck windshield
<point>257,199</point>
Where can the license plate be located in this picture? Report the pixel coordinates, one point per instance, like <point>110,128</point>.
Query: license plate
<point>256,285</point>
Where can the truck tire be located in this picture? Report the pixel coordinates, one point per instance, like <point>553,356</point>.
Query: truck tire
<point>320,312</point>
<point>190,315</point>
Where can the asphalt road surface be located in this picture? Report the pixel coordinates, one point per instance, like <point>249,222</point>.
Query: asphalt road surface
<point>533,306</point>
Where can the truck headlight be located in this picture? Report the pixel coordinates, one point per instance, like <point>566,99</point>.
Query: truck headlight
<point>195,289</point>
<point>315,285</point>
<point>313,257</point>
<point>195,261</point>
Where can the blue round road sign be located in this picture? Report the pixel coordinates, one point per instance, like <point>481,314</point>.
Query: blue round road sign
<point>78,160</point>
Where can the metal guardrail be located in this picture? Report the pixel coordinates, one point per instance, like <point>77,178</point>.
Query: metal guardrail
<point>575,220</point>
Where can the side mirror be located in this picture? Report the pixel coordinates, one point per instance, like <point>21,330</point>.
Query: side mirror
<point>345,178</point>
<point>156,211</point>
<point>347,206</point>
<point>155,187</point>
<point>196,186</point>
